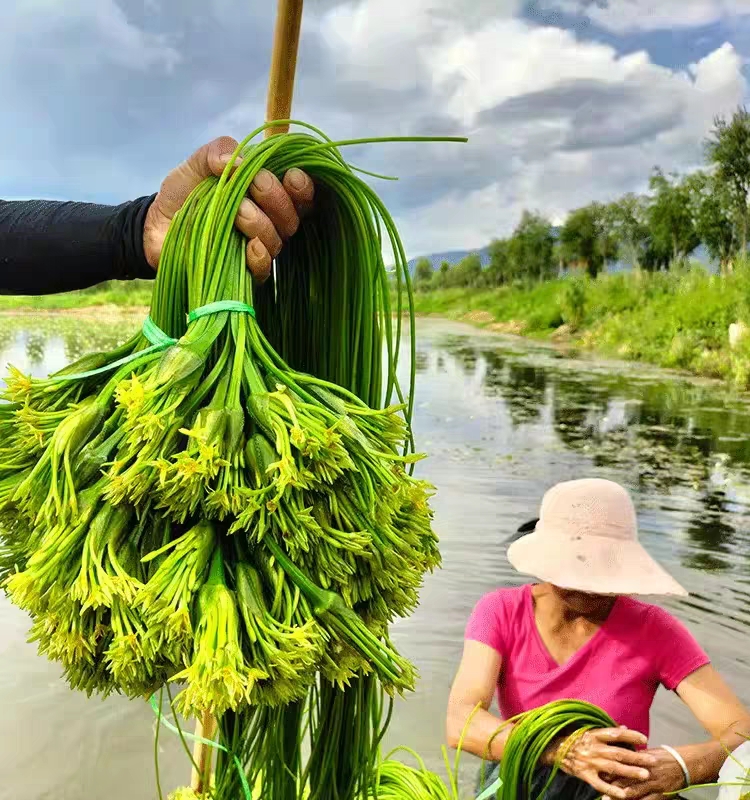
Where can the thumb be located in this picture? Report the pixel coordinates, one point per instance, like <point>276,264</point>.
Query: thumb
<point>205,162</point>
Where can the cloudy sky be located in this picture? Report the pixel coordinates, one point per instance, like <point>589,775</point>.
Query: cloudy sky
<point>564,101</point>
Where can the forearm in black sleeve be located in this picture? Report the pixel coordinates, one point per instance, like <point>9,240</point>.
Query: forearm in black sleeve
<point>48,246</point>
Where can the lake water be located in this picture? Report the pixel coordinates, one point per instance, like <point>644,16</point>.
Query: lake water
<point>502,421</point>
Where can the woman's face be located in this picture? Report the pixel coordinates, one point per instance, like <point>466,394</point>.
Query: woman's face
<point>585,603</point>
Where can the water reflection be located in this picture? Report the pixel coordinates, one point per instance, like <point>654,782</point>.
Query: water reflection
<point>711,533</point>
<point>35,343</point>
<point>524,392</point>
<point>573,416</point>
<point>664,434</point>
<point>45,343</point>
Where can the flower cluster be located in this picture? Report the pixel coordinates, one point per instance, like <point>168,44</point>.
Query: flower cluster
<point>195,510</point>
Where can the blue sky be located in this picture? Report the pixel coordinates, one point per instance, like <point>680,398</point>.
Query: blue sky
<point>675,47</point>
<point>564,101</point>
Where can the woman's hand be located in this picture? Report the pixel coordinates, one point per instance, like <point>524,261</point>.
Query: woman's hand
<point>267,218</point>
<point>666,776</point>
<point>596,759</point>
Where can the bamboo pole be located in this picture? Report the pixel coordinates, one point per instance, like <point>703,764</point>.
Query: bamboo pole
<point>283,63</point>
<point>279,106</point>
<point>205,728</point>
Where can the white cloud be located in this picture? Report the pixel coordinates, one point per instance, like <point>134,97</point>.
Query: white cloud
<point>718,86</point>
<point>644,15</point>
<point>81,35</point>
<point>554,121</point>
<point>454,220</point>
<point>126,44</point>
<point>386,42</point>
<point>508,58</point>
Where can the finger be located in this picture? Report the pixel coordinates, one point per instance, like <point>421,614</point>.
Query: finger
<point>223,160</point>
<point>607,789</point>
<point>622,735</point>
<point>640,791</point>
<point>203,163</point>
<point>255,224</point>
<point>622,756</point>
<point>272,198</point>
<point>220,154</point>
<point>622,770</point>
<point>300,188</point>
<point>258,260</point>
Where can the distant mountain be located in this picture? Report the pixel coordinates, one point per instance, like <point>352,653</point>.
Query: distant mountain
<point>452,257</point>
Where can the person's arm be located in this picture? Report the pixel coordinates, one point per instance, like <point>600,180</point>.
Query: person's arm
<point>474,685</point>
<point>723,716</point>
<point>48,246</point>
<point>725,719</point>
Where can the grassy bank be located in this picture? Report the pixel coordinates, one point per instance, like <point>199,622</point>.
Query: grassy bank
<point>114,293</point>
<point>676,320</point>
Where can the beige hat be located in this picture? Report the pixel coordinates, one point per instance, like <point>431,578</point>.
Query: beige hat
<point>587,539</point>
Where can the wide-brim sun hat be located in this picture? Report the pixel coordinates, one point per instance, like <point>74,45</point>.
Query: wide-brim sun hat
<point>586,539</point>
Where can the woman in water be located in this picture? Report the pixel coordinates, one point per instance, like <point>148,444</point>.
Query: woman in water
<point>579,634</point>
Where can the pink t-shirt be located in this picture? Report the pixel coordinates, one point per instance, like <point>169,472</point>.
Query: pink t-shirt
<point>619,669</point>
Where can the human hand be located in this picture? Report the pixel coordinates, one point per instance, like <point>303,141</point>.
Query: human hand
<point>666,776</point>
<point>596,758</point>
<point>268,217</point>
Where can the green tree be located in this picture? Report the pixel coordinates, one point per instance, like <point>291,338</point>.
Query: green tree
<point>670,217</point>
<point>558,255</point>
<point>585,240</point>
<point>531,248</point>
<point>728,147</point>
<point>655,258</point>
<point>627,224</point>
<point>440,276</point>
<point>467,272</point>
<point>713,208</point>
<point>422,272</point>
<point>500,269</point>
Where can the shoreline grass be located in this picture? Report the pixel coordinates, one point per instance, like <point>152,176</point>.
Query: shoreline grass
<point>675,320</point>
<point>125,295</point>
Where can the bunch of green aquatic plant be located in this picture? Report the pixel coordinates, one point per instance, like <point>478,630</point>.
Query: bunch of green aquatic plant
<point>532,734</point>
<point>226,500</point>
<point>391,778</point>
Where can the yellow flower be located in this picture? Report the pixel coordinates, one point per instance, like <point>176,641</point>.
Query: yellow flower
<point>184,793</point>
<point>23,591</point>
<point>298,437</point>
<point>17,385</point>
<point>130,394</point>
<point>151,427</point>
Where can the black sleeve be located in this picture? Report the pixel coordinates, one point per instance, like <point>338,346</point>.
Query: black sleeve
<point>48,246</point>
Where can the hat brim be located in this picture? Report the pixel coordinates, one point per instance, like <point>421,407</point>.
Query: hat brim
<point>591,564</point>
